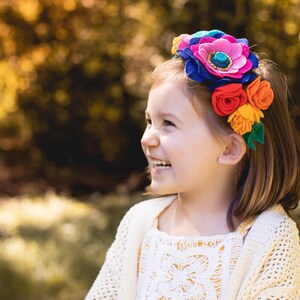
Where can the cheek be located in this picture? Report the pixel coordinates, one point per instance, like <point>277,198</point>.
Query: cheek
<point>199,151</point>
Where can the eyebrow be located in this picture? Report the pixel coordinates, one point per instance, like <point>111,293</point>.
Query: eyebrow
<point>164,115</point>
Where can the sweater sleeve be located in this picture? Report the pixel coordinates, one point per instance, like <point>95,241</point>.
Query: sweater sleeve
<point>279,277</point>
<point>118,276</point>
<point>107,284</point>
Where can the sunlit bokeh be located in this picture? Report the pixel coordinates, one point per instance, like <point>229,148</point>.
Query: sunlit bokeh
<point>74,79</point>
<point>52,246</point>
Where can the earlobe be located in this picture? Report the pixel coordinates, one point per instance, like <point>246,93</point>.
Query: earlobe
<point>234,151</point>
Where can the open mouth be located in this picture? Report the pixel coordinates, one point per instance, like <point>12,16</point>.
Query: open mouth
<point>160,164</point>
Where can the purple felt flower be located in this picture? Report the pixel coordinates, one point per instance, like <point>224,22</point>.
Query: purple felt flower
<point>217,59</point>
<point>223,57</point>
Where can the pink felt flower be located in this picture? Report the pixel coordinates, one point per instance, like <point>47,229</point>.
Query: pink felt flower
<point>185,39</point>
<point>223,57</point>
<point>180,42</point>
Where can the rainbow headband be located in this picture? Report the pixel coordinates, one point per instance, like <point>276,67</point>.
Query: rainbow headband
<point>227,66</point>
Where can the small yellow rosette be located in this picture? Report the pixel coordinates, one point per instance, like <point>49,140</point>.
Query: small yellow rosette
<point>176,42</point>
<point>242,119</point>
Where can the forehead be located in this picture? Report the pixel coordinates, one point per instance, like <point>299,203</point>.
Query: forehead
<point>169,96</point>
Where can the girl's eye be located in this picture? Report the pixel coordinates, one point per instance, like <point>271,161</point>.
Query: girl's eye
<point>168,123</point>
<point>148,121</point>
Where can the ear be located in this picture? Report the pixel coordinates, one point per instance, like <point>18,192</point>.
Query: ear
<point>234,151</point>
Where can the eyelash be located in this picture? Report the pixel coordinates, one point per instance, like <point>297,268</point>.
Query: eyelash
<point>166,122</point>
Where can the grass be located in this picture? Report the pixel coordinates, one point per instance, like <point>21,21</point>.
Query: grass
<point>52,247</point>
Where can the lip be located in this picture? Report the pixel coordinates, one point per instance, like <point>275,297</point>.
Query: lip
<point>152,159</point>
<point>156,170</point>
<point>155,158</point>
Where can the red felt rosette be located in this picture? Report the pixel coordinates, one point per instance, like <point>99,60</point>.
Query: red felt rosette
<point>226,99</point>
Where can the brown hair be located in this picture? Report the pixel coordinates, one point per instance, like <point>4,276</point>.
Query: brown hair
<point>268,175</point>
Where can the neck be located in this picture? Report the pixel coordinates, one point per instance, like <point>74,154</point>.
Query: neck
<point>198,213</point>
<point>205,215</point>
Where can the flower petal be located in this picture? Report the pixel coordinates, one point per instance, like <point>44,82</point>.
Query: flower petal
<point>206,39</point>
<point>236,51</point>
<point>253,58</point>
<point>245,50</point>
<point>247,67</point>
<point>230,38</point>
<point>242,41</point>
<point>192,71</point>
<point>223,45</point>
<point>239,62</point>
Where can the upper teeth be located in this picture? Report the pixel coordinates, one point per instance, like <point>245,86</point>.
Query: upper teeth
<point>160,162</point>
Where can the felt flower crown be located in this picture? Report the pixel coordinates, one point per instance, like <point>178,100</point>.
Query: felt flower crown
<point>227,66</point>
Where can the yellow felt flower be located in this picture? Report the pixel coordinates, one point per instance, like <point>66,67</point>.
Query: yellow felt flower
<point>242,119</point>
<point>176,42</point>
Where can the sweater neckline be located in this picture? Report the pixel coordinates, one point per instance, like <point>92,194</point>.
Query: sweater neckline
<point>242,229</point>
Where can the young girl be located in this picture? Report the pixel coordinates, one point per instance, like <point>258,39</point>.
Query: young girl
<point>224,155</point>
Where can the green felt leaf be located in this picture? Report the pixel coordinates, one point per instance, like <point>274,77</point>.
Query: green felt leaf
<point>257,134</point>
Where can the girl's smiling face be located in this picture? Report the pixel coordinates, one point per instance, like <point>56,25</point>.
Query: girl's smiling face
<point>181,150</point>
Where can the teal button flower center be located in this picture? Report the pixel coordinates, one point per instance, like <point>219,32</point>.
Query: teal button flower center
<point>220,60</point>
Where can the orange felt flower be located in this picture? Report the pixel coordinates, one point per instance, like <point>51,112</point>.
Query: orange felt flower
<point>260,94</point>
<point>242,119</point>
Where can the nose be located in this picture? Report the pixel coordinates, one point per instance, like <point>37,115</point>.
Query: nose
<point>150,138</point>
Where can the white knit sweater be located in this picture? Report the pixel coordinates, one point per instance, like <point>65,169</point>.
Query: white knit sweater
<point>268,266</point>
<point>188,267</point>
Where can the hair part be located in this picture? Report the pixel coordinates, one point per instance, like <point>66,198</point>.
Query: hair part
<point>268,175</point>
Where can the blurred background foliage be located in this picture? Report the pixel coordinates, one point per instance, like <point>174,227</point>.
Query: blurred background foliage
<point>51,247</point>
<point>74,78</point>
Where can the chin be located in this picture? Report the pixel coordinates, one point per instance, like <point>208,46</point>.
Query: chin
<point>161,190</point>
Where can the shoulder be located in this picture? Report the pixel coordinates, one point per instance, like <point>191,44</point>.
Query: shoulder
<point>276,218</point>
<point>143,214</point>
<point>151,206</point>
<point>274,225</point>
<point>269,262</point>
<point>270,259</point>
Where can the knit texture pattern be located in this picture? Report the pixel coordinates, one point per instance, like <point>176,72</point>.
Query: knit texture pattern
<point>267,267</point>
<point>172,267</point>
